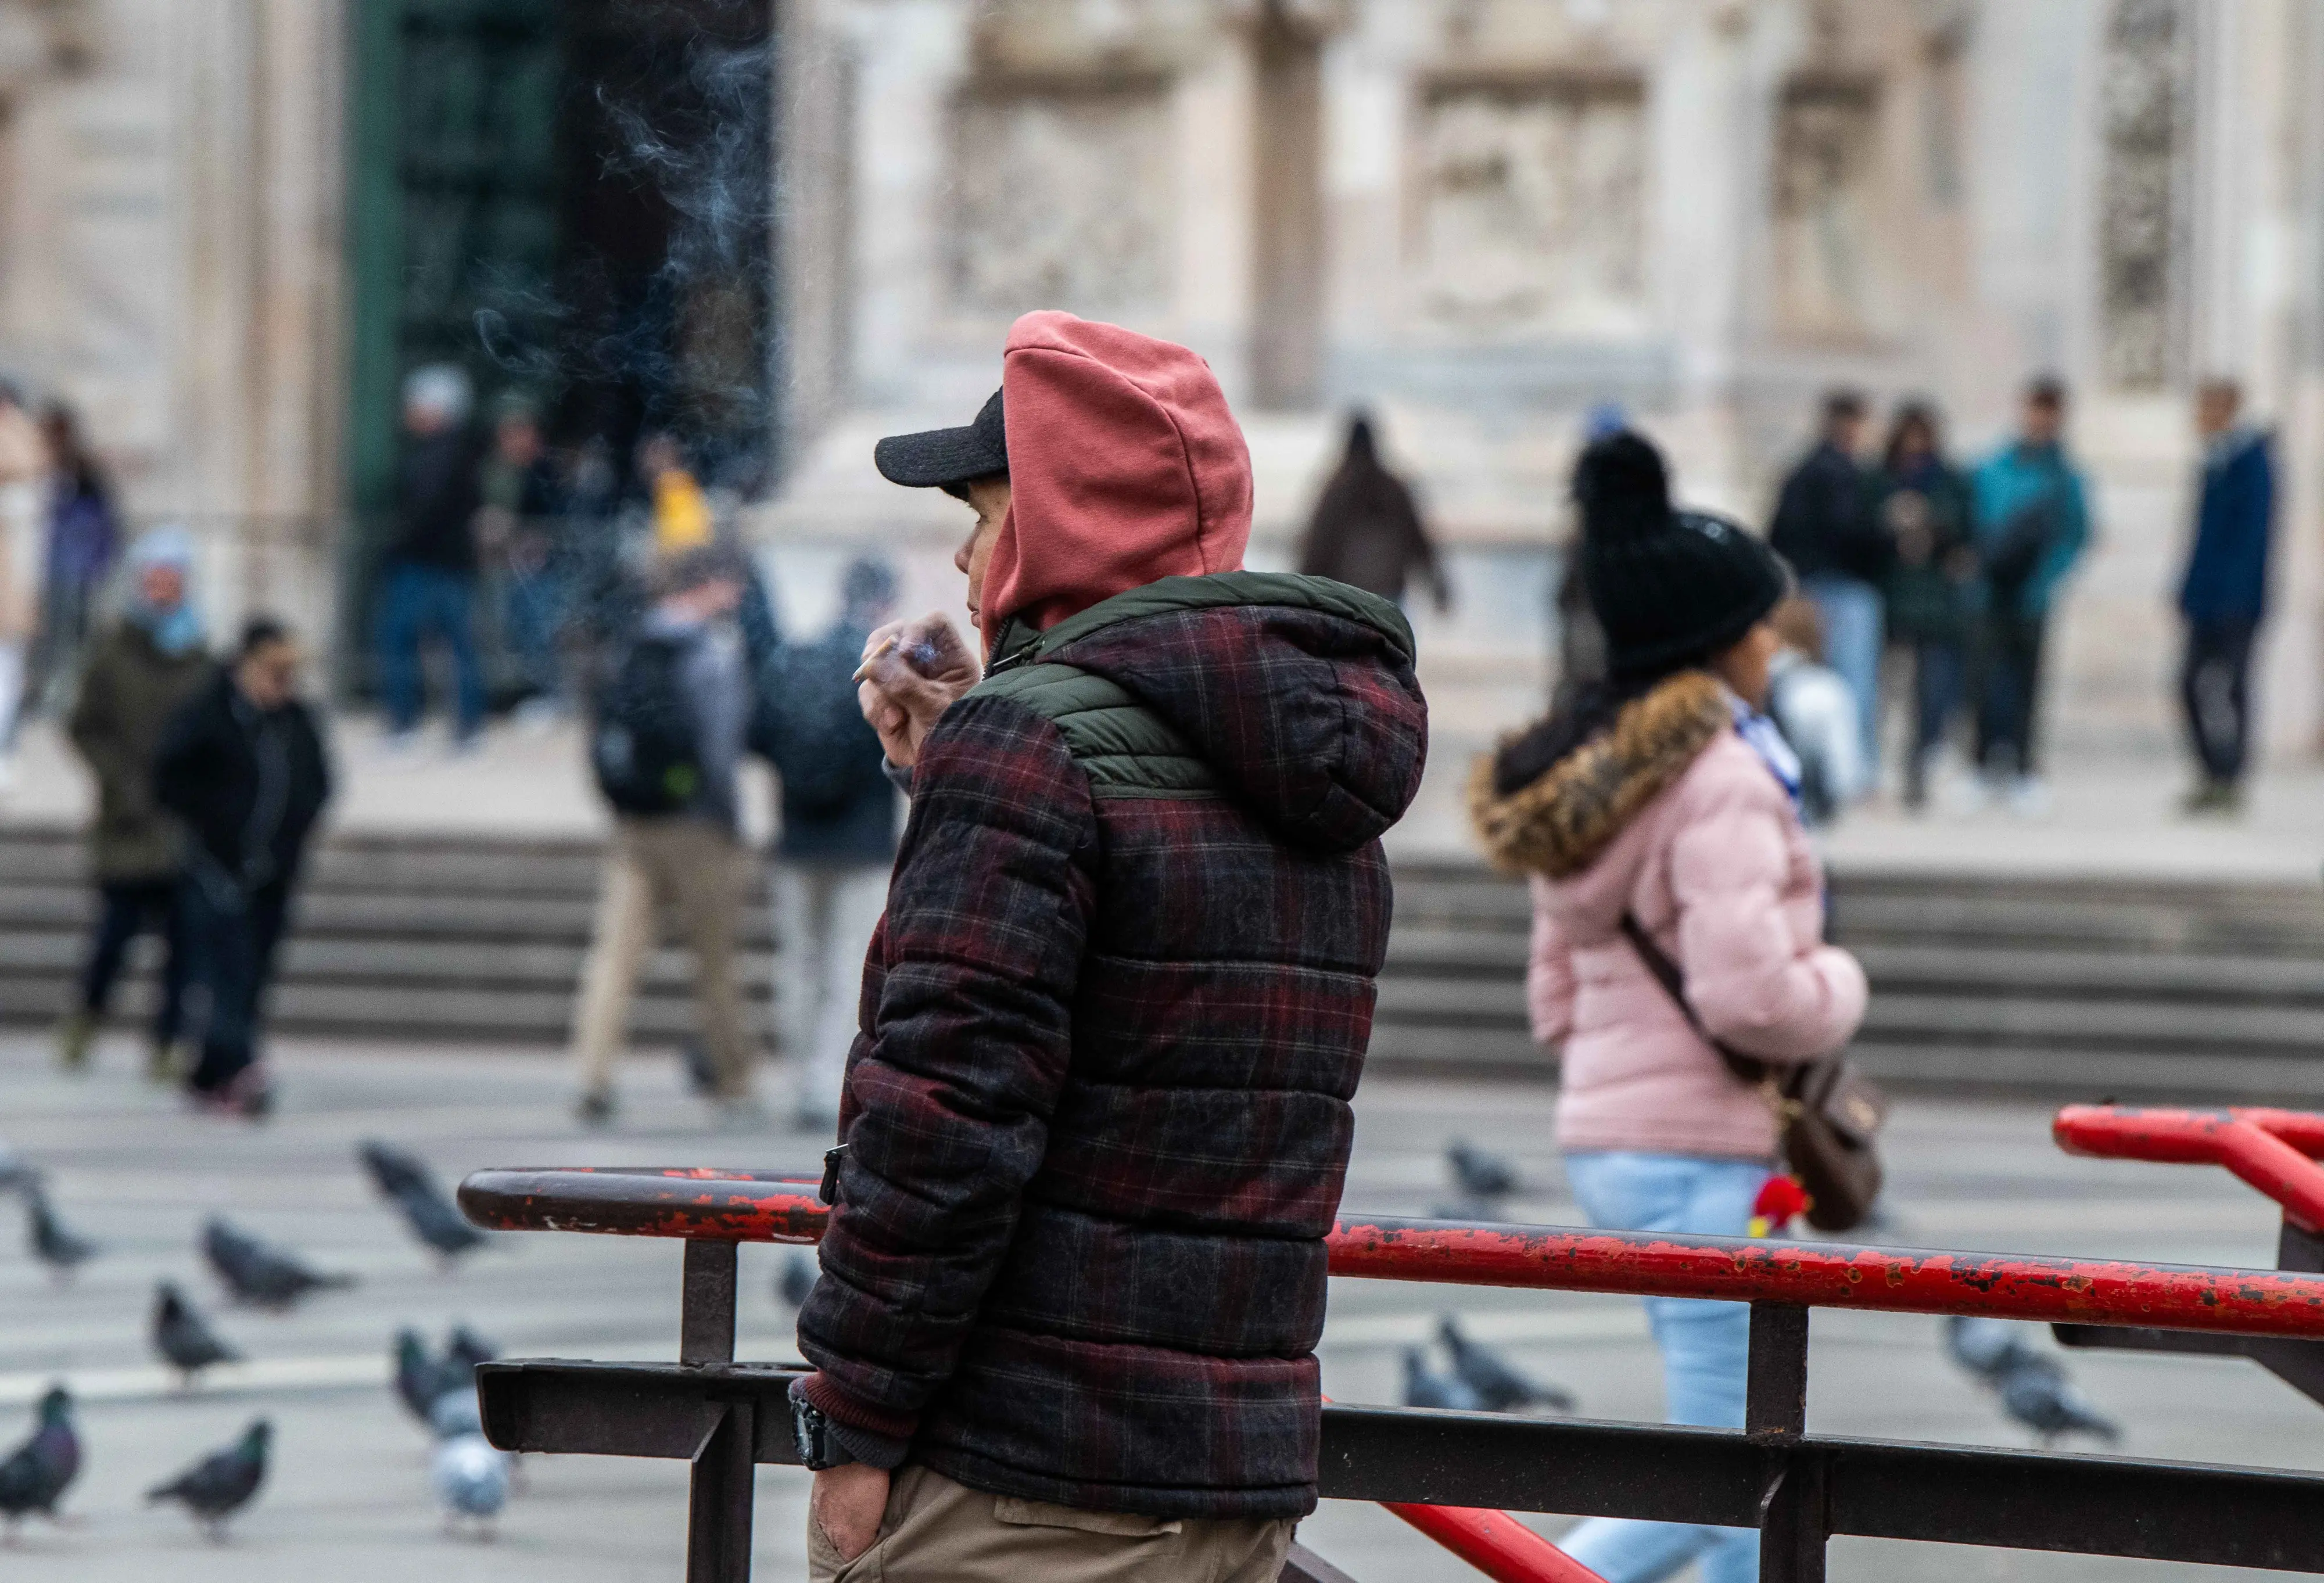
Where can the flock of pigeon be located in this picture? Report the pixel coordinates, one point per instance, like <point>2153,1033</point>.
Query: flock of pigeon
<point>470,1477</point>
<point>2030,1384</point>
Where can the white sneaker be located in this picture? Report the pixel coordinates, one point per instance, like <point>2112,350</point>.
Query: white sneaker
<point>537,715</point>
<point>2029,798</point>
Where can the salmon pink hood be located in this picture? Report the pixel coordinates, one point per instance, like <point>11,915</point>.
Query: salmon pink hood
<point>1124,467</point>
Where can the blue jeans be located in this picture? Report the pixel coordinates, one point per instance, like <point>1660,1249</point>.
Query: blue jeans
<point>416,602</point>
<point>1705,1347</point>
<point>533,617</point>
<point>1853,620</point>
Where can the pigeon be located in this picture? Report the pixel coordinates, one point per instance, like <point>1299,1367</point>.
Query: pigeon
<point>394,1172</point>
<point>421,1380</point>
<point>37,1473</point>
<point>183,1337</point>
<point>1423,1388</point>
<point>1479,1175</point>
<point>1992,1350</point>
<point>222,1483</point>
<point>797,1278</point>
<point>471,1476</point>
<point>436,1222</point>
<point>255,1273</point>
<point>2031,1384</point>
<point>2046,1401</point>
<point>62,1250</point>
<point>1498,1386</point>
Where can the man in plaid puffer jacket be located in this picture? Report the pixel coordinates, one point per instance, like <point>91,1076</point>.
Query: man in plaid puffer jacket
<point>1097,1119</point>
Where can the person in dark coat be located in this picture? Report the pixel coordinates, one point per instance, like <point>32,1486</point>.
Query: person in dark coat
<point>1367,530</point>
<point>243,766</point>
<point>2224,594</point>
<point>1923,507</point>
<point>838,839</point>
<point>138,674</point>
<point>1097,1120</point>
<point>427,576</point>
<point>1824,526</point>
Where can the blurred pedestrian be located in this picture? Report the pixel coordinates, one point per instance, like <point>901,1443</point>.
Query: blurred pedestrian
<point>1923,506</point>
<point>681,515</point>
<point>427,578</point>
<point>1367,531</point>
<point>84,538</point>
<point>523,521</point>
<point>2224,594</point>
<point>2032,523</point>
<point>666,743</point>
<point>243,766</point>
<point>23,464</point>
<point>1816,713</point>
<point>838,839</point>
<point>1658,816</point>
<point>141,671</point>
<point>1825,527</point>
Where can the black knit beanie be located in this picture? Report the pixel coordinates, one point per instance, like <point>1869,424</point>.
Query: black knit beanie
<point>1670,587</point>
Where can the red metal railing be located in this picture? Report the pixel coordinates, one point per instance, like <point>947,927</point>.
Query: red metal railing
<point>740,1207</point>
<point>2275,1151</point>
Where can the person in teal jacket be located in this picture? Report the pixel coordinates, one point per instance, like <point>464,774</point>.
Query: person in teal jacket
<point>2032,523</point>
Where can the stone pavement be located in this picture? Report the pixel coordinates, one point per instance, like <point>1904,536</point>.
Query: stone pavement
<point>2108,818</point>
<point>347,1497</point>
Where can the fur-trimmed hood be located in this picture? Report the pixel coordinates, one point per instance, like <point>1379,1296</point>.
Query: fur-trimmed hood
<point>1561,822</point>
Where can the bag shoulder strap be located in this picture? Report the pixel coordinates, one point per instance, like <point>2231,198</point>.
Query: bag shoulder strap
<point>1750,1069</point>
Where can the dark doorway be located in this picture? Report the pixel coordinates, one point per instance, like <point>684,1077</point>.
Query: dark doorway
<point>573,199</point>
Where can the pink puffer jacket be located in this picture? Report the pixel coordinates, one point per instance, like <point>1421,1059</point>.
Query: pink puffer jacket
<point>1671,815</point>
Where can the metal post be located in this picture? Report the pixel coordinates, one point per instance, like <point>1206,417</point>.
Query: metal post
<point>1793,1518</point>
<point>718,1512</point>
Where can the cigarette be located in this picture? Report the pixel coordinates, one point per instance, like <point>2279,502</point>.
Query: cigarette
<point>864,670</point>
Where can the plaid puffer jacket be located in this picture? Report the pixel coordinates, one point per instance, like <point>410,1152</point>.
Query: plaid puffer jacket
<point>1097,1119</point>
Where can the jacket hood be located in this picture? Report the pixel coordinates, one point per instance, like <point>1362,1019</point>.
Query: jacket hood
<point>1562,821</point>
<point>1298,693</point>
<point>1124,466</point>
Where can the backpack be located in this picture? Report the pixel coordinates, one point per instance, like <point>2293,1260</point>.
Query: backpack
<point>643,743</point>
<point>2016,552</point>
<point>811,728</point>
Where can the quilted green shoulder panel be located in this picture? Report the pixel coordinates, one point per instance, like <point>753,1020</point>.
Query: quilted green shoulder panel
<point>1125,749</point>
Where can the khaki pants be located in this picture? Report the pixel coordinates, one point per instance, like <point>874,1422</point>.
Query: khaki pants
<point>939,1532</point>
<point>824,916</point>
<point>700,872</point>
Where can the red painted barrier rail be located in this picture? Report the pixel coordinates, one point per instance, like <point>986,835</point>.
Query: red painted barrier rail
<point>2275,1151</point>
<point>734,1206</point>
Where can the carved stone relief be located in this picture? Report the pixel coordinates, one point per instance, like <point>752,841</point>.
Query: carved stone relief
<point>1827,137</point>
<point>2147,91</point>
<point>1530,206</point>
<point>1065,199</point>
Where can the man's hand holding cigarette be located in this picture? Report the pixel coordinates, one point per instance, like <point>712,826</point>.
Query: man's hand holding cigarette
<point>911,672</point>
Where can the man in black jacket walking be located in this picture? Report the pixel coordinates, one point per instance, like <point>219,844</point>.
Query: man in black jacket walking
<point>1826,527</point>
<point>242,767</point>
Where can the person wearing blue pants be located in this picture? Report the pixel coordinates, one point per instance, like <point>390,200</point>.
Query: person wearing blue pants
<point>1662,805</point>
<point>428,585</point>
<point>1826,527</point>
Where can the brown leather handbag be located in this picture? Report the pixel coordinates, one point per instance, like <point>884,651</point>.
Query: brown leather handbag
<point>1828,1112</point>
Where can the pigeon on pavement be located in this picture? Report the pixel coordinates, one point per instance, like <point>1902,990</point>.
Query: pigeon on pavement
<point>53,1244</point>
<point>255,1273</point>
<point>1479,1175</point>
<point>421,1380</point>
<point>797,1278</point>
<point>1424,1388</point>
<point>36,1474</point>
<point>457,1412</point>
<point>393,1171</point>
<point>2031,1384</point>
<point>436,1222</point>
<point>464,1345</point>
<point>183,1337</point>
<point>222,1483</point>
<point>1499,1384</point>
<point>471,1476</point>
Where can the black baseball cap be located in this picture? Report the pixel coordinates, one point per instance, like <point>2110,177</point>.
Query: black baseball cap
<point>945,458</point>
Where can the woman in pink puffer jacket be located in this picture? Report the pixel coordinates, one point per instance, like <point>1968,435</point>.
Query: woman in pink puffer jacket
<point>1663,796</point>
